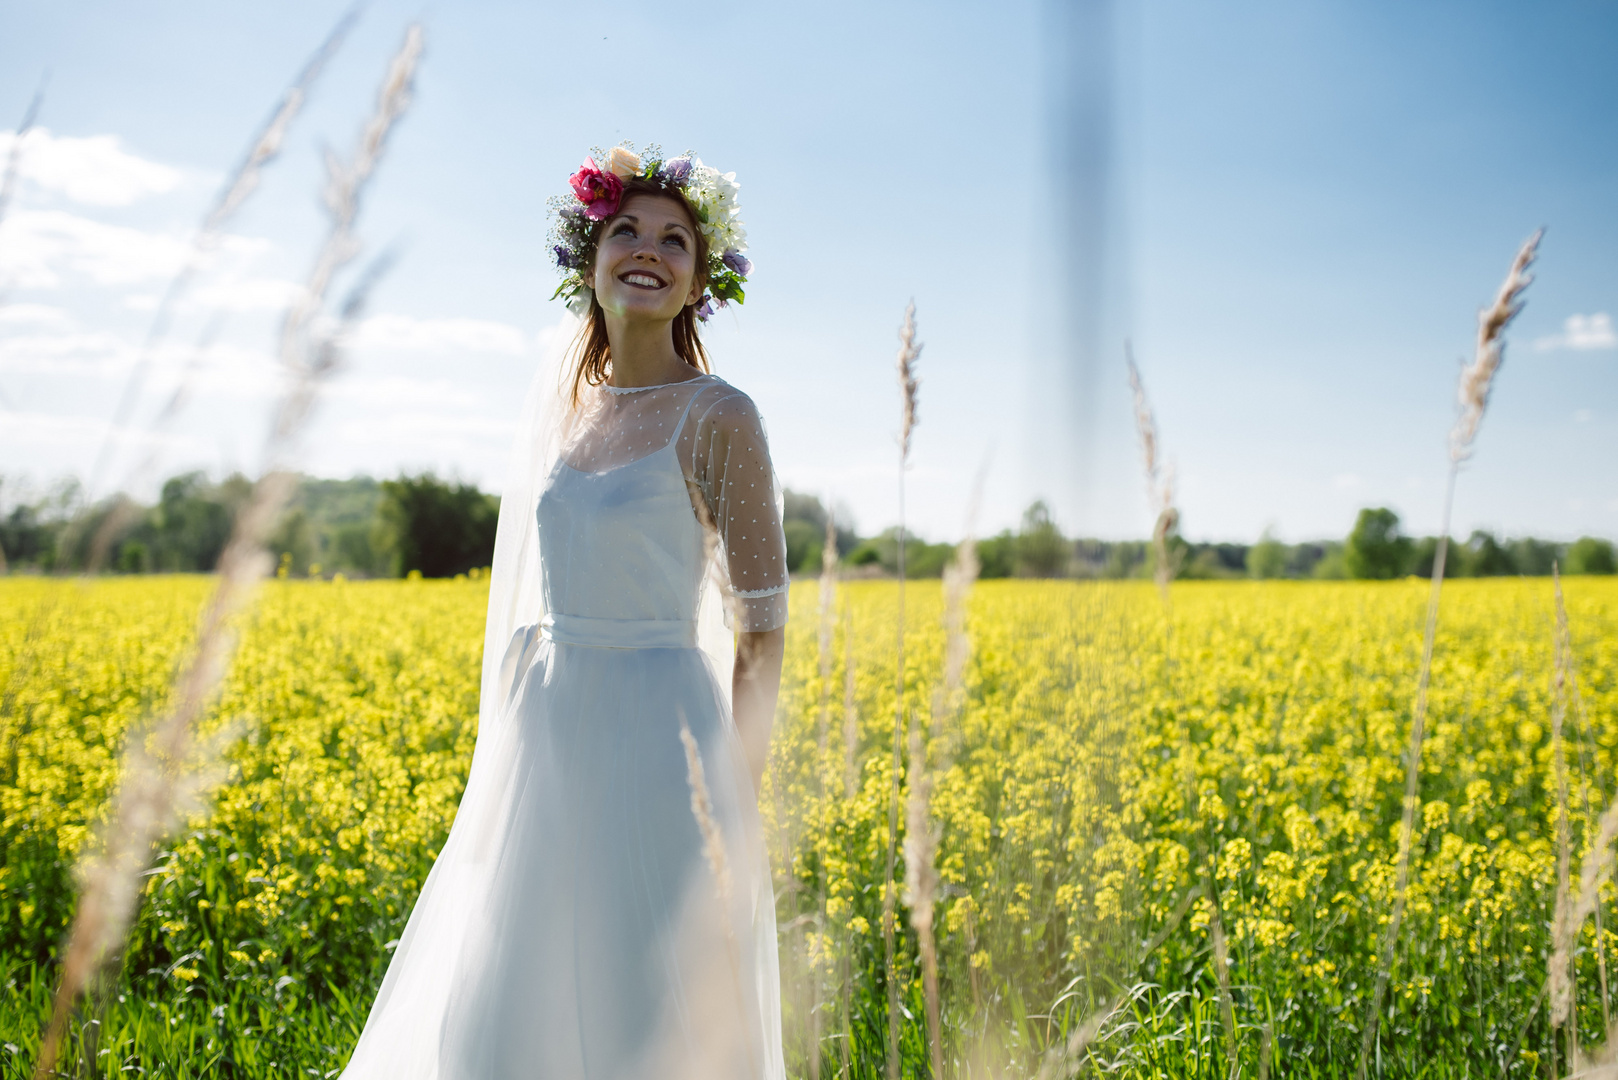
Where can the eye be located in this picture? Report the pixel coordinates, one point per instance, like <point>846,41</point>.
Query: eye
<point>623,228</point>
<point>677,239</point>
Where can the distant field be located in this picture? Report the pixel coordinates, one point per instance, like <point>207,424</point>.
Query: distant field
<point>1277,711</point>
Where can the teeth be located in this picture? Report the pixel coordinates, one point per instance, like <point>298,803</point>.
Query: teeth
<point>643,279</point>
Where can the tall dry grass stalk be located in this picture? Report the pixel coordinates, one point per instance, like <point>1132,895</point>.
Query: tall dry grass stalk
<point>239,185</point>
<point>828,631</point>
<point>8,180</point>
<point>159,771</point>
<point>1570,682</point>
<point>922,833</point>
<point>909,352</point>
<point>713,841</point>
<point>851,782</point>
<point>1472,397</point>
<point>1559,980</point>
<point>1060,1060</point>
<point>1593,873</point>
<point>1064,1061</point>
<point>1221,955</point>
<point>851,711</point>
<point>8,186</point>
<point>1160,492</point>
<point>713,851</point>
<point>1159,480</point>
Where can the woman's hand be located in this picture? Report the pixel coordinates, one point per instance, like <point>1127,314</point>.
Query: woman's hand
<point>753,689</point>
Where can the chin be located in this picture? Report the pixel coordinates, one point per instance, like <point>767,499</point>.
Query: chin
<point>646,307</point>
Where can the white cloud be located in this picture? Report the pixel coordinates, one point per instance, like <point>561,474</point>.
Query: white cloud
<point>41,246</point>
<point>1582,332</point>
<point>1347,481</point>
<point>418,432</point>
<point>397,392</point>
<point>39,314</point>
<point>36,430</point>
<point>94,170</point>
<point>441,335</point>
<point>245,294</point>
<point>235,294</point>
<point>39,249</point>
<point>73,353</point>
<point>223,369</point>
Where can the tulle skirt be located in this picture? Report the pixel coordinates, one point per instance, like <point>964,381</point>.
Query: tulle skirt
<point>574,925</point>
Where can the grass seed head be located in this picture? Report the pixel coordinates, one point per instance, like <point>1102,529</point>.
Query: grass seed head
<point>909,352</point>
<point>1477,378</point>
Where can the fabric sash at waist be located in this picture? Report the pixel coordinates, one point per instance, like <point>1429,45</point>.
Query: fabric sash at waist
<point>620,633</point>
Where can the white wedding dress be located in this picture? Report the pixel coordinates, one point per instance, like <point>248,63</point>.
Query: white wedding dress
<point>574,925</point>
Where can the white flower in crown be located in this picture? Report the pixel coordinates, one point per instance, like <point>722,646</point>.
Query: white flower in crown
<point>714,195</point>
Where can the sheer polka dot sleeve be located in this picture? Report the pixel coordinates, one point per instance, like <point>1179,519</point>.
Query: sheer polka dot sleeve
<point>731,467</point>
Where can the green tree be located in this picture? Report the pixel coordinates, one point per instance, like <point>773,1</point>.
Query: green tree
<point>1042,550</point>
<point>1532,557</point>
<point>437,528</point>
<point>1588,555</point>
<point>1425,553</point>
<point>1267,558</point>
<point>1127,559</point>
<point>803,540</point>
<point>293,542</point>
<point>1483,556</point>
<point>997,555</point>
<point>1376,548</point>
<point>803,519</point>
<point>187,529</point>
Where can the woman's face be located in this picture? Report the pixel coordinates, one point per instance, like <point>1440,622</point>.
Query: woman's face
<point>645,266</point>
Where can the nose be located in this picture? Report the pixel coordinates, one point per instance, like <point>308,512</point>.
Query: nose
<point>646,252</point>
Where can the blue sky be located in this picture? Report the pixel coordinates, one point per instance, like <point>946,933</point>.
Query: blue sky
<point>1313,202</point>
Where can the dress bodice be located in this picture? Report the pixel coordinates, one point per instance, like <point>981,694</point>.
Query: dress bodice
<point>623,543</point>
<point>651,481</point>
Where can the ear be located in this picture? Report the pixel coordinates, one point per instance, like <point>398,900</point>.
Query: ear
<point>698,287</point>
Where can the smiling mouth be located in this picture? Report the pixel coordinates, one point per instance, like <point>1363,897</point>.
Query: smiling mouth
<point>643,280</point>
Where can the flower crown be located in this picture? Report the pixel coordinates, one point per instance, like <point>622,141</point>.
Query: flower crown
<point>597,193</point>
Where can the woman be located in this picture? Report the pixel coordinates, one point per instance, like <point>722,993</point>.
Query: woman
<point>602,907</point>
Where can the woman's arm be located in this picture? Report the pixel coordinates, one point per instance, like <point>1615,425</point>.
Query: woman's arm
<point>754,686</point>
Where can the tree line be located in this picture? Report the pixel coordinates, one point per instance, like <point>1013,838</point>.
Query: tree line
<point>360,527</point>
<point>421,523</point>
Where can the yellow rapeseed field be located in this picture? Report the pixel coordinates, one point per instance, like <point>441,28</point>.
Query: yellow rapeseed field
<point>1107,760</point>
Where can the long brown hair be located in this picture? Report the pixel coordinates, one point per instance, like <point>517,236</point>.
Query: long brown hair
<point>590,355</point>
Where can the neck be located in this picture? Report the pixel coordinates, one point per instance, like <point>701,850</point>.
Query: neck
<point>643,353</point>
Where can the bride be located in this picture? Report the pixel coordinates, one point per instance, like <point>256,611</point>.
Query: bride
<point>602,908</point>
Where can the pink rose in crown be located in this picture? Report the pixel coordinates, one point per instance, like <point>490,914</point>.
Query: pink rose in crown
<point>599,191</point>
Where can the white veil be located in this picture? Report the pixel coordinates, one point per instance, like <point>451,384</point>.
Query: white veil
<point>430,1001</point>
<point>516,593</point>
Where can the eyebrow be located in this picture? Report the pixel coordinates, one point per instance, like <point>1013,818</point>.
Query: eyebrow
<point>668,225</point>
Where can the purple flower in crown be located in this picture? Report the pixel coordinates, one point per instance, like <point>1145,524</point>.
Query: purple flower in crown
<point>676,170</point>
<point>564,258</point>
<point>737,262</point>
<point>706,309</point>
